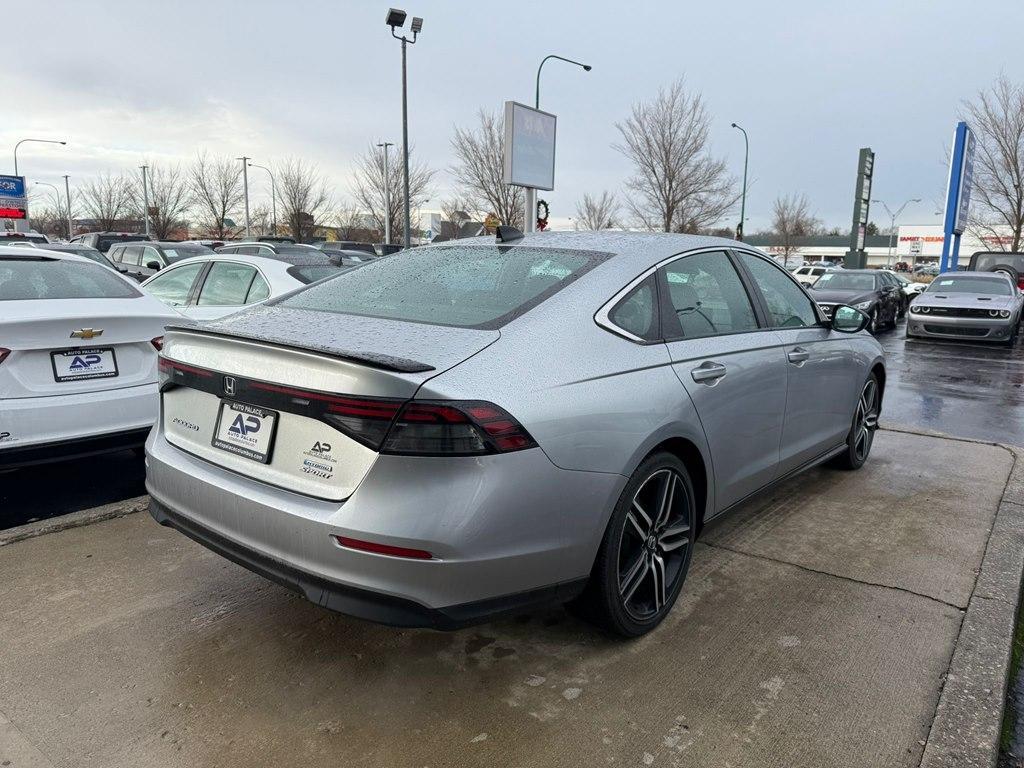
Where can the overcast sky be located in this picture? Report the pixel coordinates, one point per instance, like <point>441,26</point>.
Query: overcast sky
<point>128,81</point>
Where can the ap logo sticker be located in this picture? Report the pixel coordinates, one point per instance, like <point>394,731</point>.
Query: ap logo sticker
<point>84,362</point>
<point>243,425</point>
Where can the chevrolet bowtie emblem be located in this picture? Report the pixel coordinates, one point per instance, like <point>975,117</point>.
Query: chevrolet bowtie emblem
<point>86,333</point>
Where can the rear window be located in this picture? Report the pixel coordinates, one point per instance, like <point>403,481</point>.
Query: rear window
<point>104,243</point>
<point>310,273</point>
<point>463,286</point>
<point>985,262</point>
<point>60,279</point>
<point>183,252</point>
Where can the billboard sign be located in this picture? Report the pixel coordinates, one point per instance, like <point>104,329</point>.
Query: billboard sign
<point>13,201</point>
<point>958,194</point>
<point>529,147</point>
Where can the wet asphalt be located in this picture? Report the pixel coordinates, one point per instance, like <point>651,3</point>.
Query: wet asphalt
<point>959,389</point>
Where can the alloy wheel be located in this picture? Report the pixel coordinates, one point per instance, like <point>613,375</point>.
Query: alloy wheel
<point>866,420</point>
<point>654,544</point>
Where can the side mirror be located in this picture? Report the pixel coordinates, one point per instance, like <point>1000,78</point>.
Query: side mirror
<point>153,265</point>
<point>849,320</point>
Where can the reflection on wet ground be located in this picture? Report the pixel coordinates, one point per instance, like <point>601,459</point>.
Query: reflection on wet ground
<point>960,389</point>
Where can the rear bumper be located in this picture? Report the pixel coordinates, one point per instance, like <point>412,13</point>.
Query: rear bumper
<point>27,455</point>
<point>362,603</point>
<point>505,531</point>
<point>62,426</point>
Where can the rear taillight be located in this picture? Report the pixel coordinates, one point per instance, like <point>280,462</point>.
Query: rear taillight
<point>455,428</point>
<point>171,372</point>
<point>158,343</point>
<point>4,352</point>
<point>1020,283</point>
<point>383,549</point>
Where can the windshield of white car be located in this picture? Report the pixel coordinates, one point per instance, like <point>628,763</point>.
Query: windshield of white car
<point>42,278</point>
<point>464,286</point>
<point>987,286</point>
<point>840,281</point>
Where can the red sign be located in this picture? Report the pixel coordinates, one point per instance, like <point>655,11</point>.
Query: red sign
<point>12,213</point>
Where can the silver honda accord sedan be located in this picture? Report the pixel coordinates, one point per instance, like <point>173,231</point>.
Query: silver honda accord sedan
<point>464,430</point>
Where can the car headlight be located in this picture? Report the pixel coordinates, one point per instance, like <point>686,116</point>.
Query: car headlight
<point>863,305</point>
<point>1004,313</point>
<point>918,309</point>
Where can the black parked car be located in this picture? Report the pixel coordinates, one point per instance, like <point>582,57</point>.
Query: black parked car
<point>1010,264</point>
<point>142,260</point>
<point>868,290</point>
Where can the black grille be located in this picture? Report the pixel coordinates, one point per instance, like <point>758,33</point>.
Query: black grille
<point>959,312</point>
<point>951,330</point>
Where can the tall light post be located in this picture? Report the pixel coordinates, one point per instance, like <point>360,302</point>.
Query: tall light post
<point>387,193</point>
<point>531,193</point>
<point>67,195</point>
<point>245,186</point>
<point>55,190</point>
<point>892,222</point>
<point>145,199</point>
<point>743,199</point>
<point>396,20</point>
<point>273,193</point>
<point>38,141</point>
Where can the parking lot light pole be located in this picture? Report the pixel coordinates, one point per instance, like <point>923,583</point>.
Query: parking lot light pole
<point>892,222</point>
<point>245,186</point>
<point>743,198</point>
<point>531,193</point>
<point>67,196</point>
<point>38,141</point>
<point>273,193</point>
<point>387,194</point>
<point>396,20</point>
<point>145,198</point>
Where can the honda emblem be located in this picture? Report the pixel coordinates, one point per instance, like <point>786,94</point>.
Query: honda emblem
<point>229,385</point>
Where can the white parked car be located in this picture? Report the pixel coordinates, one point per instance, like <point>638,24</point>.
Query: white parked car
<point>78,357</point>
<point>809,275</point>
<point>216,284</point>
<point>909,287</point>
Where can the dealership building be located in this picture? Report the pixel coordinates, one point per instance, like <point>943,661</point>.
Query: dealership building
<point>914,244</point>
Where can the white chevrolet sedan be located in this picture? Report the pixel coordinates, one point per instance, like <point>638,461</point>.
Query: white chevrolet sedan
<point>78,361</point>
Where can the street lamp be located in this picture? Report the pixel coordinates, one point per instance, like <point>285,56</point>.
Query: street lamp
<point>245,186</point>
<point>387,193</point>
<point>38,141</point>
<point>145,199</point>
<point>273,193</point>
<point>67,195</point>
<point>531,193</point>
<point>396,20</point>
<point>743,199</point>
<point>892,223</point>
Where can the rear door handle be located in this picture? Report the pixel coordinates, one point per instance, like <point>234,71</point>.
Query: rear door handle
<point>799,356</point>
<point>708,372</point>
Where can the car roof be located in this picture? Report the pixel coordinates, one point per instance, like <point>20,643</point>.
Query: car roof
<point>281,261</point>
<point>40,254</point>
<point>978,273</point>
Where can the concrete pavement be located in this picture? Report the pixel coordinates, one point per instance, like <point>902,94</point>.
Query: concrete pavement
<point>816,628</point>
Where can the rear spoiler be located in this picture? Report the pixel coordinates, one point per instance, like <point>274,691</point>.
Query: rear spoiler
<point>371,359</point>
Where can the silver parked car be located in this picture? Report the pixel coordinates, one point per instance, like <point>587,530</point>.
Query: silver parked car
<point>467,429</point>
<point>978,306</point>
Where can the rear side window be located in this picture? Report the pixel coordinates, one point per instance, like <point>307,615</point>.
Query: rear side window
<point>30,279</point>
<point>173,286</point>
<point>463,286</point>
<point>707,297</point>
<point>226,285</point>
<point>132,254</point>
<point>637,312</point>
<point>258,291</point>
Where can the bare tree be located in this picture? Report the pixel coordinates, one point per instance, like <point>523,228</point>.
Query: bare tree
<point>792,218</point>
<point>348,219</point>
<point>594,213</point>
<point>261,220</point>
<point>169,199</point>
<point>997,201</point>
<point>480,167</point>
<point>302,197</point>
<point>107,200</point>
<point>370,186</point>
<point>217,192</point>
<point>677,185</point>
<point>455,212</point>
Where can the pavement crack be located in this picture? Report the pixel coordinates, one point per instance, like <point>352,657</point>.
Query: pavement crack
<point>850,579</point>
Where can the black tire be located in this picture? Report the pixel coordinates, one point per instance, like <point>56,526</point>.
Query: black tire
<point>862,431</point>
<point>625,594</point>
<point>1009,271</point>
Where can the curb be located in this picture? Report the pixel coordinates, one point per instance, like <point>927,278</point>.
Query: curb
<point>74,520</point>
<point>968,718</point>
